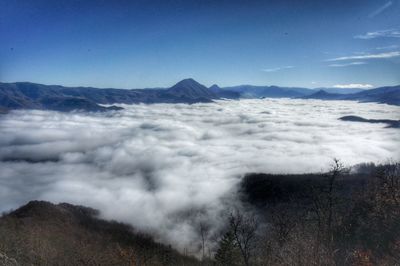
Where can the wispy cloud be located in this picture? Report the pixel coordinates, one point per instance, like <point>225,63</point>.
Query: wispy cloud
<point>380,9</point>
<point>389,47</point>
<point>348,64</point>
<point>276,69</point>
<point>366,56</point>
<point>353,86</point>
<point>390,33</point>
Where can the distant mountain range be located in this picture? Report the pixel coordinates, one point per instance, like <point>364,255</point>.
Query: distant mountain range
<point>388,95</point>
<point>26,95</point>
<point>250,91</point>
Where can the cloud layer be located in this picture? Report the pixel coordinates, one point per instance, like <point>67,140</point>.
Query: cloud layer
<point>166,168</point>
<point>353,86</point>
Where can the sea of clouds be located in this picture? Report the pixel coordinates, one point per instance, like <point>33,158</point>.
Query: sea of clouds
<point>165,168</point>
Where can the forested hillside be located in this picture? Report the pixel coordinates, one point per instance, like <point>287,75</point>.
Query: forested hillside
<point>342,217</point>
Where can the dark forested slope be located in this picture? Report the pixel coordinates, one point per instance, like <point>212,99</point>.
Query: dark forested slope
<point>41,233</point>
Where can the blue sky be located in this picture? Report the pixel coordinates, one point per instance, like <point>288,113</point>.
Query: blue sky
<point>136,44</point>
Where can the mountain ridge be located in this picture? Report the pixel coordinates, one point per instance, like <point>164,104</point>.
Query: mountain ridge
<point>27,95</point>
<point>388,95</point>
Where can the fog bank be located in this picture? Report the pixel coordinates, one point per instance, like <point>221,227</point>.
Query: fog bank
<point>165,168</point>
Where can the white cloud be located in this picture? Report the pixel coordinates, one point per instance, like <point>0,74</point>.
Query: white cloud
<point>165,167</point>
<point>389,47</point>
<point>277,69</point>
<point>391,33</point>
<point>367,56</point>
<point>348,64</point>
<point>353,86</point>
<point>380,9</point>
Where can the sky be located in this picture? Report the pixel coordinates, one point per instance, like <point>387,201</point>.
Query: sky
<point>138,44</point>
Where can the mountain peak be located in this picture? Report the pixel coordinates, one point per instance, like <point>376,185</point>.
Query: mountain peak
<point>215,87</point>
<point>188,82</point>
<point>321,92</point>
<point>189,88</point>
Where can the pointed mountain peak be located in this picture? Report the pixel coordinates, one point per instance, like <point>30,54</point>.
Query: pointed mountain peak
<point>321,92</point>
<point>190,88</point>
<point>188,82</point>
<point>215,87</point>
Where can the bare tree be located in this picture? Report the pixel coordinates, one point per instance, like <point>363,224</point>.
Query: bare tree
<point>244,231</point>
<point>204,230</point>
<point>325,205</point>
<point>283,220</point>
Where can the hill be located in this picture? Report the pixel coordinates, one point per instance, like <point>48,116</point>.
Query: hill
<point>42,233</point>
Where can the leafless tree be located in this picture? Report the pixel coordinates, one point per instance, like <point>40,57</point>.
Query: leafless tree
<point>244,229</point>
<point>203,230</point>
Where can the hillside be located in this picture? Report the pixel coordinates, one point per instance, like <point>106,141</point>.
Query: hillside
<point>340,217</point>
<point>42,233</point>
<point>343,217</point>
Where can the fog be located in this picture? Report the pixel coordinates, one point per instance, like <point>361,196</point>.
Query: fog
<point>164,168</point>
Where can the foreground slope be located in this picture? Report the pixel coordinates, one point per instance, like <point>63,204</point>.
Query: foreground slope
<point>42,233</point>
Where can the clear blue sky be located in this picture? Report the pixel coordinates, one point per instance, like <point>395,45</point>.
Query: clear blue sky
<point>135,44</point>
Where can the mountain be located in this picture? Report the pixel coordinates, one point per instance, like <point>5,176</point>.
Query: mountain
<point>67,104</point>
<point>26,95</point>
<point>323,95</point>
<point>388,95</point>
<point>340,90</point>
<point>191,89</point>
<point>223,93</point>
<point>42,233</point>
<point>249,91</point>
